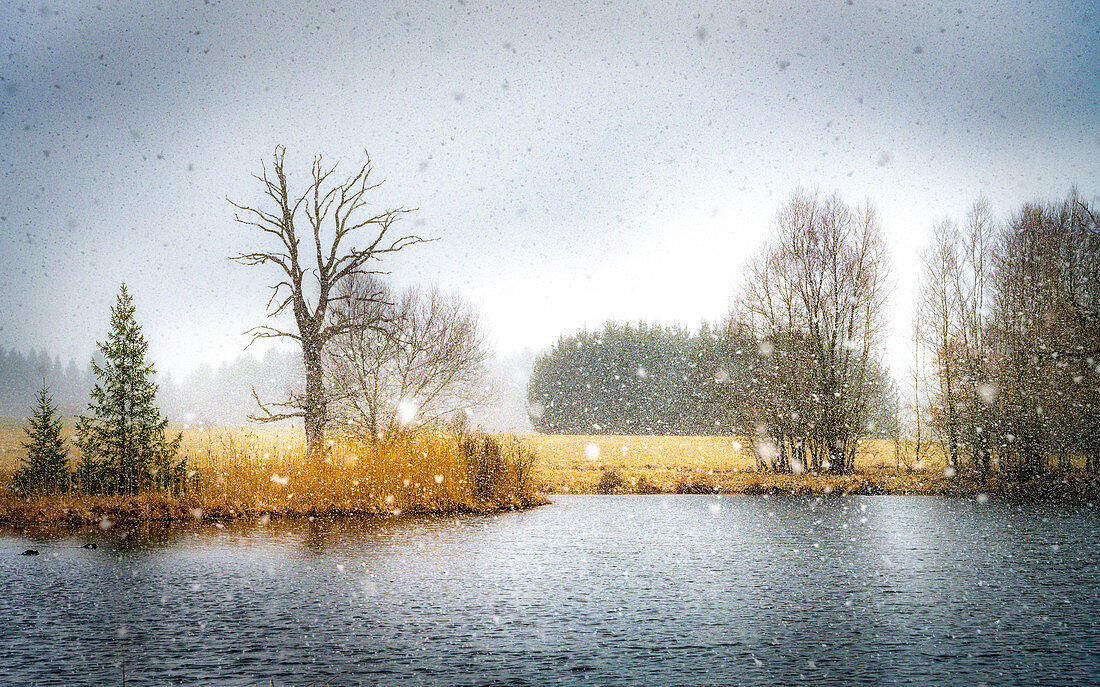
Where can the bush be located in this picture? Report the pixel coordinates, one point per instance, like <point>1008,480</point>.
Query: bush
<point>696,487</point>
<point>609,482</point>
<point>499,472</point>
<point>522,464</point>
<point>485,464</point>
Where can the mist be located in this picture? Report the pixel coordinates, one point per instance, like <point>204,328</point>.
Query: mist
<point>576,164</point>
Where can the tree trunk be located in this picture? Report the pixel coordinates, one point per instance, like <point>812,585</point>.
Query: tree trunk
<point>952,411</point>
<point>315,408</point>
<point>983,454</point>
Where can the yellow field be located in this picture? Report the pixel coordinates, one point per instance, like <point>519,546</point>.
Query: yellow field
<point>566,463</point>
<point>576,464</point>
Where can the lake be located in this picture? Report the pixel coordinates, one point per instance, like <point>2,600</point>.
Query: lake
<point>602,590</point>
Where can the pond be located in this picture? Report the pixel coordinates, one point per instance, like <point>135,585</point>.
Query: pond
<point>609,590</point>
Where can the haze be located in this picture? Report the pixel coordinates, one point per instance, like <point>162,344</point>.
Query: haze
<point>578,162</point>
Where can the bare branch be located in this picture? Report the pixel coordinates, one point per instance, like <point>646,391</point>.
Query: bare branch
<point>269,416</point>
<point>265,332</point>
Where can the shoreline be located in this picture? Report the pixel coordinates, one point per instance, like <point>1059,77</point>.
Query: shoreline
<point>108,512</point>
<point>872,482</point>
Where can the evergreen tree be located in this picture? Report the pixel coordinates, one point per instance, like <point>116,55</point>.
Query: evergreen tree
<point>625,379</point>
<point>45,467</point>
<point>122,439</point>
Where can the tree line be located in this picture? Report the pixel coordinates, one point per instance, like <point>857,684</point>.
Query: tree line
<point>796,364</point>
<point>1008,338</point>
<point>208,394</point>
<point>1006,367</point>
<point>654,379</point>
<point>21,373</point>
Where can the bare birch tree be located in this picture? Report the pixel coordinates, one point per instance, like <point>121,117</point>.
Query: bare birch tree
<point>334,214</point>
<point>939,309</point>
<point>973,296</point>
<point>918,382</point>
<point>954,305</point>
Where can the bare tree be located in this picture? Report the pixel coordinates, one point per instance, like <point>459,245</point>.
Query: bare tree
<point>1082,257</point>
<point>335,213</point>
<point>407,359</point>
<point>917,372</point>
<point>1081,254</point>
<point>954,306</point>
<point>1026,278</point>
<point>939,308</point>
<point>973,295</point>
<point>815,298</point>
<point>1045,340</point>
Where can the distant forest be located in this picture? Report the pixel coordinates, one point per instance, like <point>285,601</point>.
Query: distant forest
<point>654,379</point>
<point>221,395</point>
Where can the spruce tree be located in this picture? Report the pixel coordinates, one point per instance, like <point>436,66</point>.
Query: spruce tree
<point>45,467</point>
<point>122,438</point>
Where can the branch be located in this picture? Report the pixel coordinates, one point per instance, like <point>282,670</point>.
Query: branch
<point>1088,211</point>
<point>261,258</point>
<point>265,332</point>
<point>357,258</point>
<point>269,416</point>
<point>275,293</point>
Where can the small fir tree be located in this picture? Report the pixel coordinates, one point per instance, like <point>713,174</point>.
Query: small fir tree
<point>90,474</point>
<point>45,467</point>
<point>122,440</point>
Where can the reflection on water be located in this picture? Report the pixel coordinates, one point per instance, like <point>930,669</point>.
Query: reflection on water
<point>590,590</point>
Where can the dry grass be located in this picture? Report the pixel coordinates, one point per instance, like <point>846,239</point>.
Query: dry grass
<point>653,464</point>
<point>240,473</point>
<point>576,464</point>
<point>235,473</point>
<point>419,472</point>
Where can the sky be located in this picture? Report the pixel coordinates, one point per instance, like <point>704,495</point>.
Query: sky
<point>577,162</point>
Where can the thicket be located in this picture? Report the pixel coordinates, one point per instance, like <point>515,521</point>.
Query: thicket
<point>815,299</point>
<point>625,379</point>
<point>1010,316</point>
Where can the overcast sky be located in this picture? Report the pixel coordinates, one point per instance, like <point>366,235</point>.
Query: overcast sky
<point>577,162</point>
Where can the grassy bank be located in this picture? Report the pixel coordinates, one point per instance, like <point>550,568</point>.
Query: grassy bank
<point>252,473</point>
<point>234,474</point>
<point>650,465</point>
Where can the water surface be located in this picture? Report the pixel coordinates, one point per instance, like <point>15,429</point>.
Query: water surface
<point>591,590</point>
